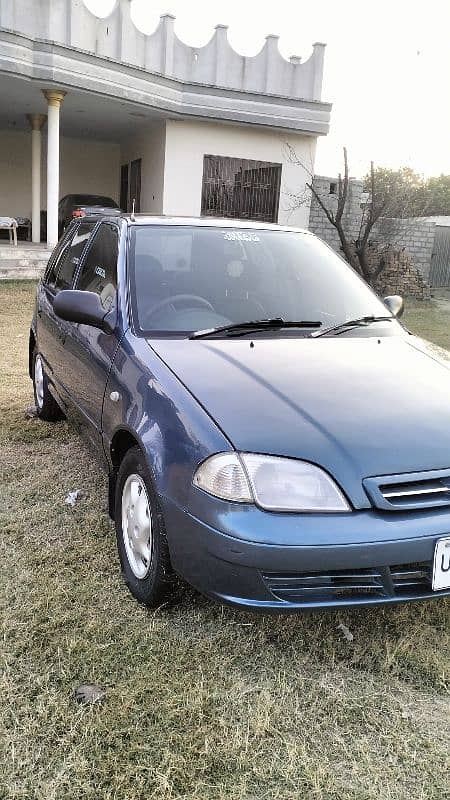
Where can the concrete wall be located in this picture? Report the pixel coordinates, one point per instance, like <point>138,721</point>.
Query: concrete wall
<point>188,141</point>
<point>415,234</point>
<point>149,146</point>
<point>15,174</point>
<point>70,23</point>
<point>172,166</point>
<point>86,166</point>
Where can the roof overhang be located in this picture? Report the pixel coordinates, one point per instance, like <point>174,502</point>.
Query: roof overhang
<point>48,64</point>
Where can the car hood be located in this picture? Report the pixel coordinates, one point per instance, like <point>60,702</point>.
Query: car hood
<point>357,406</point>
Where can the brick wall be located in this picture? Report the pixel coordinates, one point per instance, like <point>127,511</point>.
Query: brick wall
<point>399,275</point>
<point>415,235</point>
<point>412,238</point>
<point>318,222</point>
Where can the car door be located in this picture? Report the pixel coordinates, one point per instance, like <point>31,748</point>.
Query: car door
<point>48,327</point>
<point>88,351</point>
<point>51,330</point>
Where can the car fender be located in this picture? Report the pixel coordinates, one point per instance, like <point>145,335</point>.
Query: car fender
<point>147,403</point>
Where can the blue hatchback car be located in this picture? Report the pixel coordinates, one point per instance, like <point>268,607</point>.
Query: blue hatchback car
<point>272,433</point>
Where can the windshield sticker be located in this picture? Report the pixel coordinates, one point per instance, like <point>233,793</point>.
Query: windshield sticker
<point>238,236</point>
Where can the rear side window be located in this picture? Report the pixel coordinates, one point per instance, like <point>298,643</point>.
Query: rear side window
<point>57,257</point>
<point>99,271</point>
<point>72,256</point>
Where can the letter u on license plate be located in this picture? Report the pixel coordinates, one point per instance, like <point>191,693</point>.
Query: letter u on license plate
<point>441,566</point>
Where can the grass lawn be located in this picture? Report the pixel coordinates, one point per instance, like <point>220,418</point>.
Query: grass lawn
<point>203,703</point>
<point>430,320</point>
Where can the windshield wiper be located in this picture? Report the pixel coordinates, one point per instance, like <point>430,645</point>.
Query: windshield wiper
<point>359,322</point>
<point>240,328</point>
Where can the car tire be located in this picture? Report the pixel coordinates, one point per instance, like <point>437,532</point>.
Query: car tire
<point>140,531</point>
<point>46,406</point>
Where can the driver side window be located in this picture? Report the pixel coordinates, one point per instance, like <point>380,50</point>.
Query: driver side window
<point>99,271</point>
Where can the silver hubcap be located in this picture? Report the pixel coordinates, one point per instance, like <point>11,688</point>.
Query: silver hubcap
<point>39,381</point>
<point>137,525</point>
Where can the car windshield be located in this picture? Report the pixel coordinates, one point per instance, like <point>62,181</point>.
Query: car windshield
<point>93,200</point>
<point>190,278</point>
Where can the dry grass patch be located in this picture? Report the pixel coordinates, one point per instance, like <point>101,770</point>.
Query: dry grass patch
<point>203,703</point>
<point>430,320</point>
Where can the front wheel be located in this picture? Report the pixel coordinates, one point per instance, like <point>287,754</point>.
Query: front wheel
<point>46,406</point>
<point>141,538</point>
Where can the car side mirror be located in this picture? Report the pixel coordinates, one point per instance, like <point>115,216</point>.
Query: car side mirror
<point>395,304</point>
<point>74,305</point>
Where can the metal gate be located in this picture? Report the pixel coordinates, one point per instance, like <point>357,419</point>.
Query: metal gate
<point>440,259</point>
<point>240,188</point>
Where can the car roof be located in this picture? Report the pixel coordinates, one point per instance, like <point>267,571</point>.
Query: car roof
<point>86,194</point>
<point>200,222</point>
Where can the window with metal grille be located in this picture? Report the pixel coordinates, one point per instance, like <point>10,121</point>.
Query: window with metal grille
<point>240,188</point>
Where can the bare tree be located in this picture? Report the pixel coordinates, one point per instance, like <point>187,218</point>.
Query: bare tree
<point>355,250</point>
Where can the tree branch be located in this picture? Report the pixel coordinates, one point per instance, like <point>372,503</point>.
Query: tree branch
<point>342,190</point>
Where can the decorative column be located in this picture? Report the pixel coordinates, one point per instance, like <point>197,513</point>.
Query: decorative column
<point>166,26</point>
<point>36,122</point>
<point>222,47</point>
<point>54,100</point>
<point>272,66</point>
<point>295,61</point>
<point>318,59</point>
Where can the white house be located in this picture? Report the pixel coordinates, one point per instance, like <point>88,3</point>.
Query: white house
<point>91,105</point>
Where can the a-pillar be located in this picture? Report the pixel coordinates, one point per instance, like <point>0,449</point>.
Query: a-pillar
<point>54,100</point>
<point>36,122</point>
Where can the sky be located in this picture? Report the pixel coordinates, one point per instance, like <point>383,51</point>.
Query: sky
<point>387,68</point>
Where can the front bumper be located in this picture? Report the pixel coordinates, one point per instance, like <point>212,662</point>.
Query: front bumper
<point>313,561</point>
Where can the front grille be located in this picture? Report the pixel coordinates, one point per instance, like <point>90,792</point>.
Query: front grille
<point>343,585</point>
<point>418,490</point>
<point>435,492</point>
<point>410,577</point>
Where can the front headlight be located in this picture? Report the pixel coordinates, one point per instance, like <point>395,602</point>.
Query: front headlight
<point>273,483</point>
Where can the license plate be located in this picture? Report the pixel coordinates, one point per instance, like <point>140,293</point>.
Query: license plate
<point>441,566</point>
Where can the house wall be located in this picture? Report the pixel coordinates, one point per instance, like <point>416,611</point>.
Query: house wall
<point>188,141</point>
<point>86,166</point>
<point>117,39</point>
<point>15,174</point>
<point>172,166</point>
<point>149,146</point>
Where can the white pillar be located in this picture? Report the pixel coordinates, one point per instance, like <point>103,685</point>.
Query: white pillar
<point>36,121</point>
<point>54,100</point>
